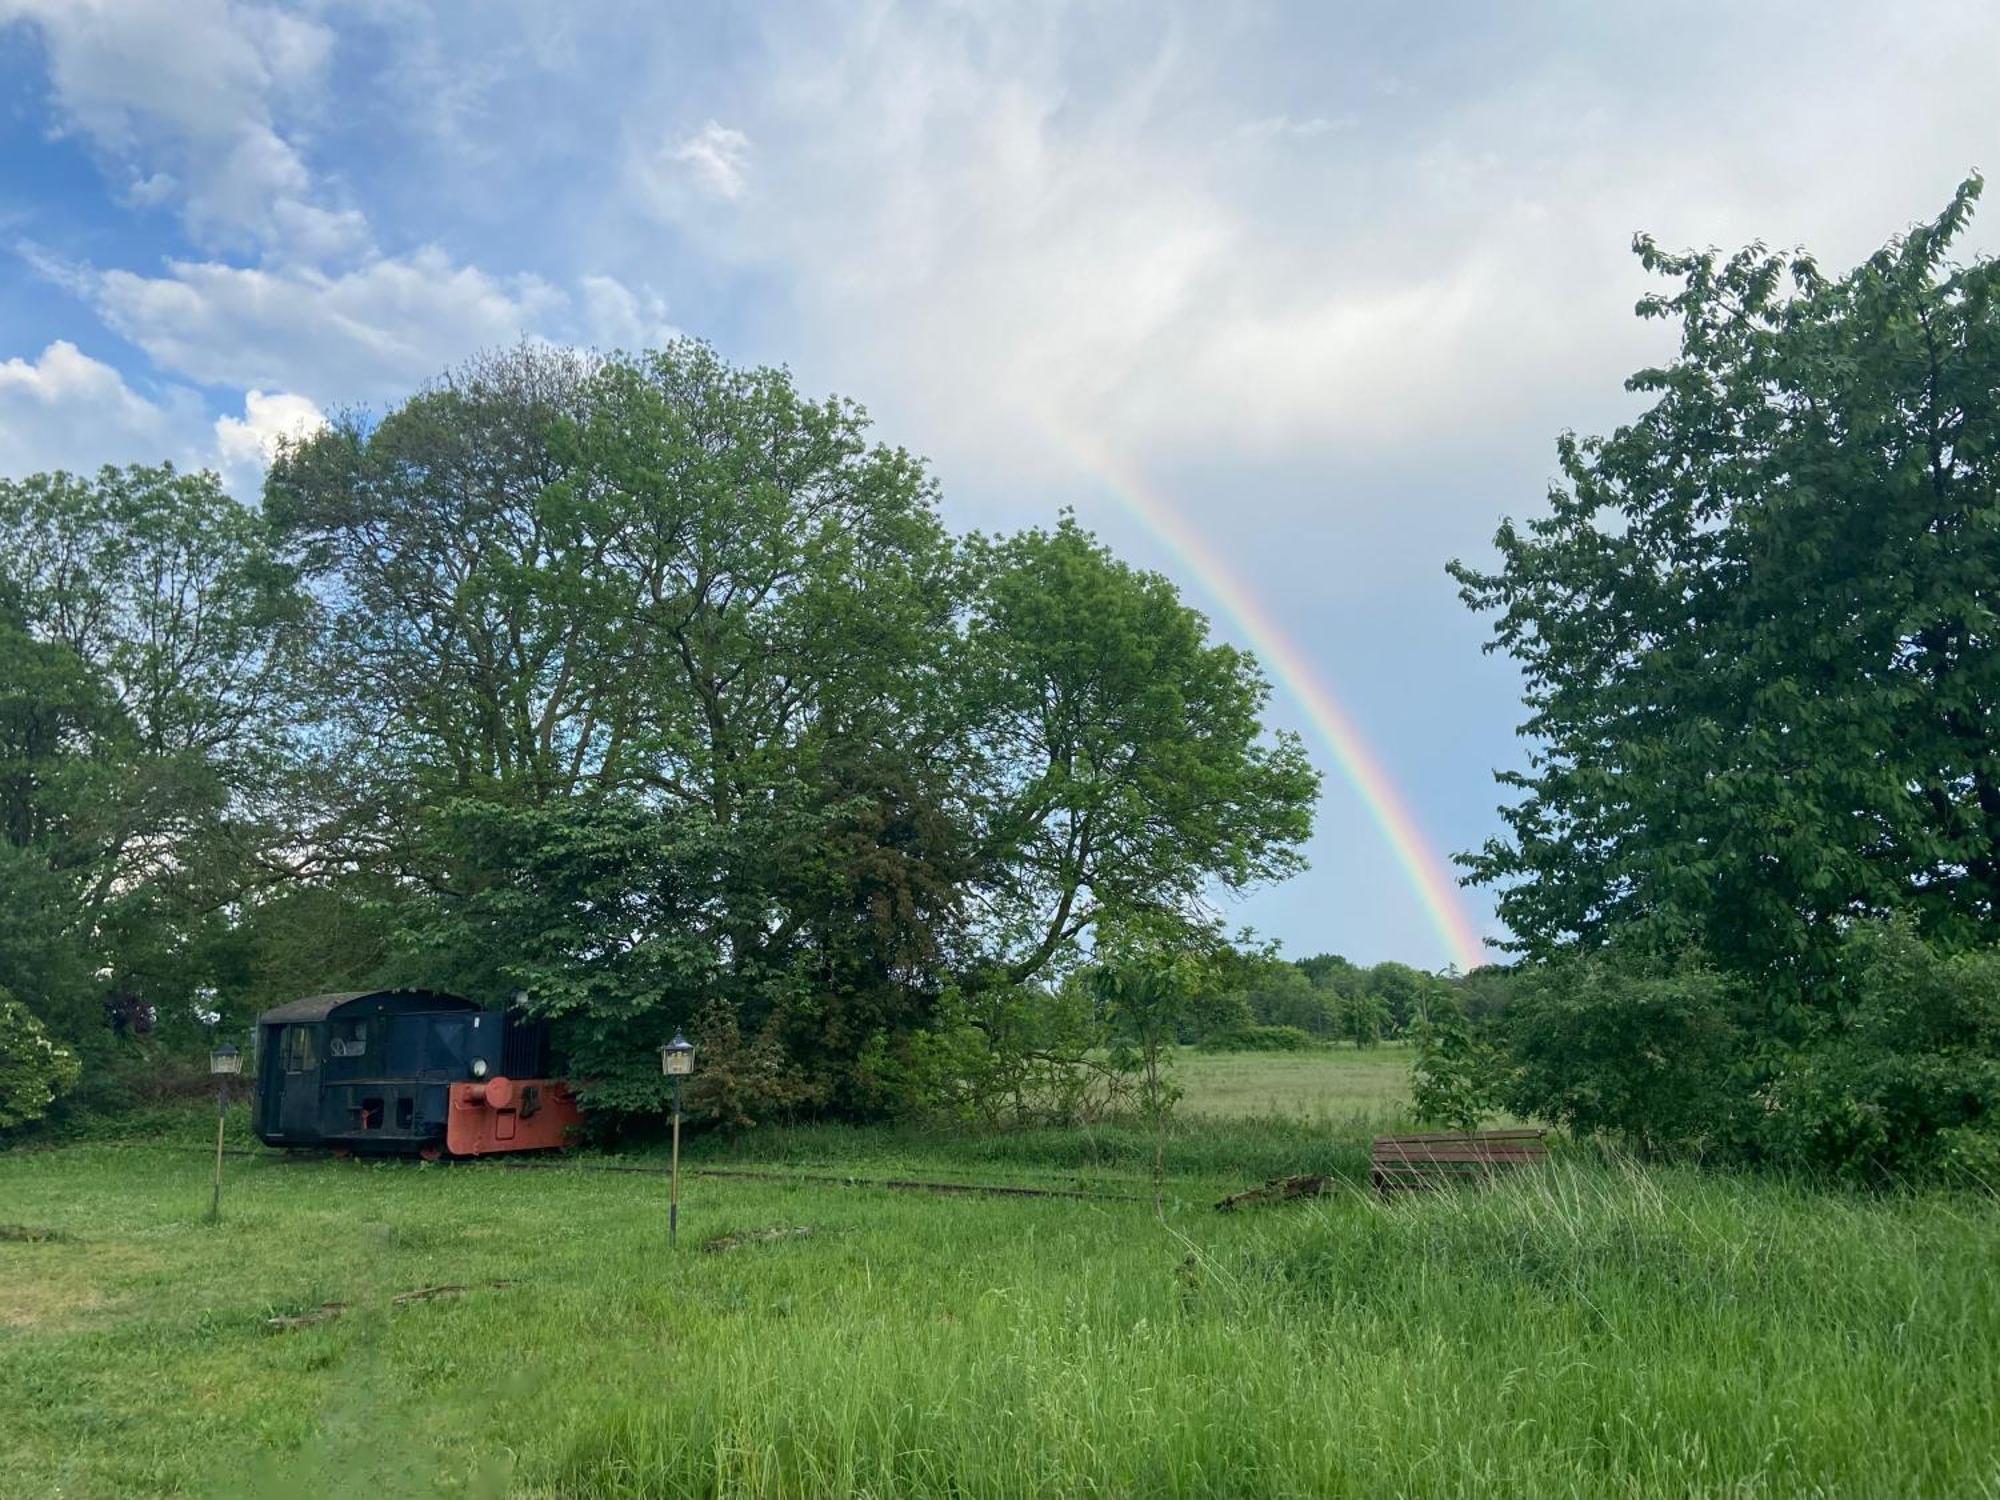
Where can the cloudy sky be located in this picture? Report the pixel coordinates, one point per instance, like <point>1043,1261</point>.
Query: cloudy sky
<point>1325,279</point>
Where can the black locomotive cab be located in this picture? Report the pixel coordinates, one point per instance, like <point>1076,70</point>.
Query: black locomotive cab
<point>379,1070</point>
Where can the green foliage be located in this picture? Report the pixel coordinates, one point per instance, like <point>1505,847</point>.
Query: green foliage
<point>672,689</point>
<point>1451,1074</point>
<point>1756,625</point>
<point>302,938</point>
<point>1757,628</point>
<point>1363,1016</point>
<point>1265,991</point>
<point>129,1085</point>
<point>44,959</point>
<point>1483,994</point>
<point>1611,1043</point>
<point>1407,994</point>
<point>1014,1055</point>
<point>34,1069</point>
<point>1901,1078</point>
<point>1264,1039</point>
<point>1904,1078</point>
<point>1126,770</point>
<point>1149,981</point>
<point>744,1079</point>
<point>147,640</point>
<point>1332,999</point>
<point>593,905</point>
<point>645,685</point>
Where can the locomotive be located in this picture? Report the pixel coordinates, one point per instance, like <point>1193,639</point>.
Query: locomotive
<point>407,1071</point>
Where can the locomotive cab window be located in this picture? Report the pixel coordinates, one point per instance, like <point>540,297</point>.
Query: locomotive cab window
<point>298,1051</point>
<point>348,1039</point>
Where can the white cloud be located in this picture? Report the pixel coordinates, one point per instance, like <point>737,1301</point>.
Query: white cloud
<point>246,445</point>
<point>714,156</point>
<point>188,102</point>
<point>369,334</point>
<point>150,192</point>
<point>317,236</point>
<point>65,410</point>
<point>989,239</point>
<point>615,316</point>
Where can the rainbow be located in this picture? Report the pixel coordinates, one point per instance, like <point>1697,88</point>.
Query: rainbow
<point>1429,876</point>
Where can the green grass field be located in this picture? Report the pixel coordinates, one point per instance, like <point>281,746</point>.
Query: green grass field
<point>1339,1085</point>
<point>1589,1330</point>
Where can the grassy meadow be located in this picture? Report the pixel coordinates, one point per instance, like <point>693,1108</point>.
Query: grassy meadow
<point>1593,1329</point>
<point>1339,1086</point>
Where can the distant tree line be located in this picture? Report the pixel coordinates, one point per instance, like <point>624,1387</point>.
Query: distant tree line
<point>644,685</point>
<point>1258,1000</point>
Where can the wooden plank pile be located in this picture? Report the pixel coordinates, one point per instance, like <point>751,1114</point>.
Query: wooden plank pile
<point>1402,1162</point>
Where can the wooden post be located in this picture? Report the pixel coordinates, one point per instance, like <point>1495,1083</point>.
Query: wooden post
<point>674,1190</point>
<point>221,1109</point>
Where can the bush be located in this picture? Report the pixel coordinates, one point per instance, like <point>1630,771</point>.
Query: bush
<point>1452,1077</point>
<point>1004,1055</point>
<point>1263,1039</point>
<point>1901,1076</point>
<point>1602,1044</point>
<point>33,1069</point>
<point>1887,1067</point>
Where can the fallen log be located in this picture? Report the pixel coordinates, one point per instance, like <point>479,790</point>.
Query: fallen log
<point>29,1233</point>
<point>758,1236</point>
<point>1278,1189</point>
<point>328,1311</point>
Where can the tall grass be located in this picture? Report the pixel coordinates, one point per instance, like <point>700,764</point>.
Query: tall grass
<point>1593,1329</point>
<point>1587,1331</point>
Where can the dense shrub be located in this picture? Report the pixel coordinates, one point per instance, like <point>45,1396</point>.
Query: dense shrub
<point>1901,1074</point>
<point>1263,1039</point>
<point>1891,1067</point>
<point>1604,1044</point>
<point>1005,1055</point>
<point>34,1070</point>
<point>1452,1077</point>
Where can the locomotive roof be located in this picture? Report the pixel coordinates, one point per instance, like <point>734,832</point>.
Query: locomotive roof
<point>319,1007</point>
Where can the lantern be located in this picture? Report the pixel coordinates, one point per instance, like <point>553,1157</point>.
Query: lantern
<point>677,1057</point>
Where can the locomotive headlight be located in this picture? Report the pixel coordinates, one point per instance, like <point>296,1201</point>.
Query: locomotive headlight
<point>479,1067</point>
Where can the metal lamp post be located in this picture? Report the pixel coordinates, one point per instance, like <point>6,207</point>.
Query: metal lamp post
<point>677,1062</point>
<point>222,1063</point>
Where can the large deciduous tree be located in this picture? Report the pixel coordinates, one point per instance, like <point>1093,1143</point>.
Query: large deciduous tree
<point>1122,761</point>
<point>1755,862</point>
<point>1758,625</point>
<point>668,698</point>
<point>146,635</point>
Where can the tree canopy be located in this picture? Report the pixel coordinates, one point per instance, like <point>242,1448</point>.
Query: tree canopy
<point>1758,632</point>
<point>645,685</point>
<point>1757,625</point>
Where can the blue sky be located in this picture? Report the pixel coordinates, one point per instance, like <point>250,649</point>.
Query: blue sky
<point>1332,277</point>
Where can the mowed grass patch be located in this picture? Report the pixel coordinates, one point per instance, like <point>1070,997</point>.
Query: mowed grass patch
<point>1359,1086</point>
<point>1589,1330</point>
